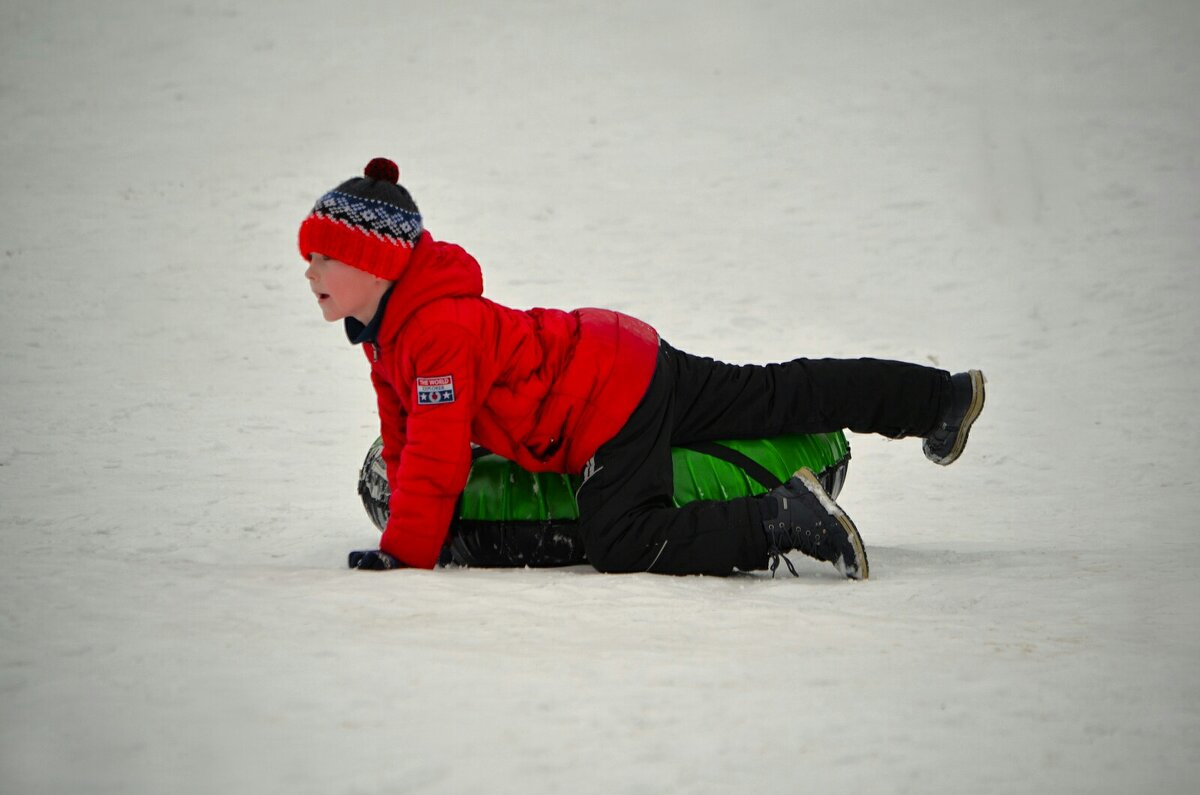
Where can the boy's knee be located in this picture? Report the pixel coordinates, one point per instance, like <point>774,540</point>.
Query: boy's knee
<point>620,558</point>
<point>611,558</point>
<point>608,563</point>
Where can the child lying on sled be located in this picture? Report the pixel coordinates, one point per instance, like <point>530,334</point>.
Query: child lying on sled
<point>591,392</point>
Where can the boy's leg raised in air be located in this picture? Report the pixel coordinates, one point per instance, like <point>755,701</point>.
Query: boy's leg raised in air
<point>716,400</point>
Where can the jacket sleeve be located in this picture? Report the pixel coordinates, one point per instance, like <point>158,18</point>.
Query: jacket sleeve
<point>392,422</point>
<point>440,367</point>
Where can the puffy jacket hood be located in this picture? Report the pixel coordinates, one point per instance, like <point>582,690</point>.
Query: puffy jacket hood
<point>436,270</point>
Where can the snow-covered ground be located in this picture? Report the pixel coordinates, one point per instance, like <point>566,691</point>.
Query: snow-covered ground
<point>1007,185</point>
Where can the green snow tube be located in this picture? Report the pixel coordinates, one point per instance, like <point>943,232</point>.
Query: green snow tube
<point>510,517</point>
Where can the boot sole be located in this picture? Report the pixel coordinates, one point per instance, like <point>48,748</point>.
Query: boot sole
<point>811,483</point>
<point>978,396</point>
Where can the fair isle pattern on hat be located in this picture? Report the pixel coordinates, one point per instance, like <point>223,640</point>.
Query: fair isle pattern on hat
<point>369,222</point>
<point>381,219</point>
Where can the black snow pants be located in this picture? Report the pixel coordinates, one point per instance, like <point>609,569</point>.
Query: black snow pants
<point>626,516</point>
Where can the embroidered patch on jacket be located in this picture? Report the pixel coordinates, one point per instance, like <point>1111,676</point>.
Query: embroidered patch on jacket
<point>435,390</point>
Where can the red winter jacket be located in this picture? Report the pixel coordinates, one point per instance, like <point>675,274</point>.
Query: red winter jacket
<point>543,388</point>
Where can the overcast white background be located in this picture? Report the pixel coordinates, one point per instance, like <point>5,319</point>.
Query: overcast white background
<point>1013,186</point>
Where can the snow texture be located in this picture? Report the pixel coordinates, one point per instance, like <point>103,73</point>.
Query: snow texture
<point>1013,186</point>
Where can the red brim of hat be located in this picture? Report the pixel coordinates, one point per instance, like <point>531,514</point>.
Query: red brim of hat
<point>338,240</point>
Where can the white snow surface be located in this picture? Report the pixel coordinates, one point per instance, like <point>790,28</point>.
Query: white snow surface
<point>1013,186</point>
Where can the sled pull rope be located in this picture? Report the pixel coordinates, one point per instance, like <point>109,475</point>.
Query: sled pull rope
<point>764,476</point>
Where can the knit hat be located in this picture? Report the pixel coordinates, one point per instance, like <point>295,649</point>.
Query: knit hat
<point>369,222</point>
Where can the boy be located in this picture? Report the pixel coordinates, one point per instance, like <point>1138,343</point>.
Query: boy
<point>592,392</point>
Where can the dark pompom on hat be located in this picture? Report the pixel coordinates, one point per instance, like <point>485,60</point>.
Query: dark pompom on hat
<point>369,222</point>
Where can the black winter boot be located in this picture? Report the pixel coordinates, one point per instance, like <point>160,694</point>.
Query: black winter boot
<point>801,515</point>
<point>945,444</point>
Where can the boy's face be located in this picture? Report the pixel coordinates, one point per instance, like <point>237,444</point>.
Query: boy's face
<point>343,291</point>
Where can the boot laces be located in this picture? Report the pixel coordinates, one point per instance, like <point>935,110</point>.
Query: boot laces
<point>775,555</point>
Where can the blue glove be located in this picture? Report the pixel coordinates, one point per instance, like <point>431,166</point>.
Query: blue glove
<point>375,560</point>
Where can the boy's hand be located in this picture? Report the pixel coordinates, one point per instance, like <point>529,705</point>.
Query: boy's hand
<point>374,559</point>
